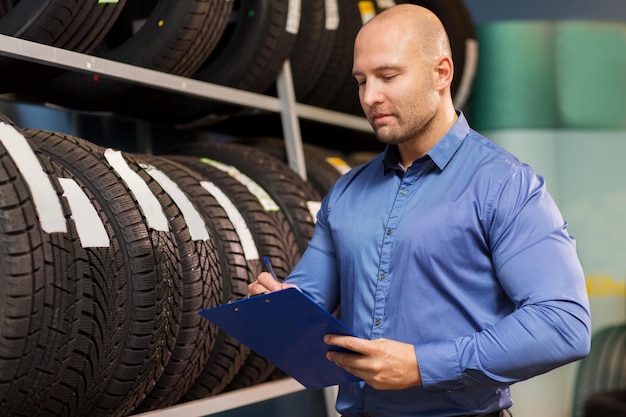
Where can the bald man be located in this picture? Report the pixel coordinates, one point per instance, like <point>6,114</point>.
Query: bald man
<point>447,255</point>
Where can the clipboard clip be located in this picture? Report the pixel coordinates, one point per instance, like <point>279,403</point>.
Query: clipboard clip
<point>248,296</point>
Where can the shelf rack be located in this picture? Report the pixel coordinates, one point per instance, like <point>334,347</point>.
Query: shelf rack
<point>240,398</point>
<point>285,103</point>
<point>290,112</point>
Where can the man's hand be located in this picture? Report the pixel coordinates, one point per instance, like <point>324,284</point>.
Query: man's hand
<point>266,283</point>
<point>383,364</point>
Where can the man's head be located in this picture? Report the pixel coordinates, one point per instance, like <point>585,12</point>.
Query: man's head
<point>403,64</point>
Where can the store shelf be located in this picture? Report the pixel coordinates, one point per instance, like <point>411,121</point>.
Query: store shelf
<point>240,398</point>
<point>284,104</point>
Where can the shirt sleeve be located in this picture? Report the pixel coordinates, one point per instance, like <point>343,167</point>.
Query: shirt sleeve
<point>316,273</point>
<point>536,263</point>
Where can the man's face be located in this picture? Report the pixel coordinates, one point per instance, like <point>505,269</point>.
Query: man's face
<point>396,82</point>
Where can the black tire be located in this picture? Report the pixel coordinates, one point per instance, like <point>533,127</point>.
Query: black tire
<point>604,369</point>
<point>339,65</point>
<point>313,45</point>
<point>40,293</point>
<point>202,288</point>
<point>4,119</point>
<point>268,240</point>
<point>176,38</point>
<point>255,370</point>
<point>97,345</point>
<point>294,196</point>
<point>149,318</point>
<point>69,24</point>
<point>253,51</point>
<point>606,404</point>
<point>323,166</point>
<point>249,57</point>
<point>236,273</point>
<point>220,370</point>
<point>290,247</point>
<point>235,270</point>
<point>347,98</point>
<point>279,247</point>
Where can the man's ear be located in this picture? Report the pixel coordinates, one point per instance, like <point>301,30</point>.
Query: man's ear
<point>445,71</point>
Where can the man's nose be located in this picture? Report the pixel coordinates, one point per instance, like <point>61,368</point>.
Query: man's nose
<point>371,94</point>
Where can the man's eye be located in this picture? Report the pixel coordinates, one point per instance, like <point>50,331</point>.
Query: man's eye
<point>388,77</point>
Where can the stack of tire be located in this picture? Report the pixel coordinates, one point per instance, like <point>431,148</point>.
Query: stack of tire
<point>241,44</point>
<point>107,258</point>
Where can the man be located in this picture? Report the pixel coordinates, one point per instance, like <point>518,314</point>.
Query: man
<point>447,255</point>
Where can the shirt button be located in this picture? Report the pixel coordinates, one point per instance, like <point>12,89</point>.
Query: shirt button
<point>388,232</point>
<point>403,191</point>
<point>377,322</point>
<point>383,276</point>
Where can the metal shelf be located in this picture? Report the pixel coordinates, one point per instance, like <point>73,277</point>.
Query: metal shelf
<point>284,104</point>
<point>239,398</point>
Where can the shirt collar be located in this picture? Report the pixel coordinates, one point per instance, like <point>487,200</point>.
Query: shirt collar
<point>442,152</point>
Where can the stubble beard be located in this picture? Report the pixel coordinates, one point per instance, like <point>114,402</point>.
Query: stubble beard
<point>418,118</point>
<point>391,134</point>
<point>389,137</point>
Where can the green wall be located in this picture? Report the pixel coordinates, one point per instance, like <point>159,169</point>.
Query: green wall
<point>554,94</point>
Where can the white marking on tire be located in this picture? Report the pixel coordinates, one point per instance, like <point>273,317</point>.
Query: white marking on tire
<point>332,14</point>
<point>241,227</point>
<point>293,17</point>
<point>89,225</point>
<point>195,222</point>
<point>259,192</point>
<point>147,201</point>
<point>44,196</point>
<point>314,207</point>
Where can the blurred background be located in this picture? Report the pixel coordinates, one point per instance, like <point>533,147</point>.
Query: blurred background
<point>551,88</point>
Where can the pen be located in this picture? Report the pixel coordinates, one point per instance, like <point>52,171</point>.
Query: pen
<point>268,265</point>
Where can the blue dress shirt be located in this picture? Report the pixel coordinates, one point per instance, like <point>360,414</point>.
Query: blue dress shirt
<point>465,256</point>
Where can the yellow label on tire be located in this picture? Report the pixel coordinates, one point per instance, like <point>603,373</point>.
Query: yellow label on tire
<point>367,10</point>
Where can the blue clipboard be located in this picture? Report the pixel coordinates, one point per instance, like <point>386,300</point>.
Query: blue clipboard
<point>286,327</point>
